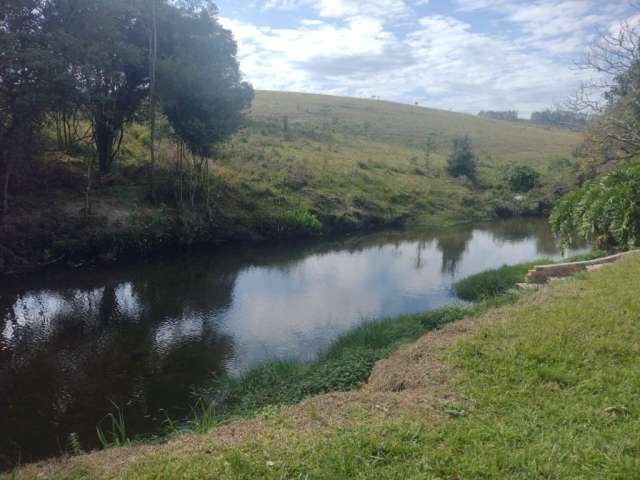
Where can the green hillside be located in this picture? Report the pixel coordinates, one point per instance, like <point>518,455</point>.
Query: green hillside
<point>304,164</point>
<point>355,159</point>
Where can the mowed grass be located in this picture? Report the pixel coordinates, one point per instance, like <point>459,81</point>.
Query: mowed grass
<point>547,388</point>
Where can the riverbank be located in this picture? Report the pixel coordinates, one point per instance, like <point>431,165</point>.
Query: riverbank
<point>544,387</point>
<point>337,166</point>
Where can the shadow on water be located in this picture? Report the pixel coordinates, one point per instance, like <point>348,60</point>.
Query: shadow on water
<point>143,335</point>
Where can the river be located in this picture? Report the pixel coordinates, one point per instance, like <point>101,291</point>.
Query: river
<point>141,335</point>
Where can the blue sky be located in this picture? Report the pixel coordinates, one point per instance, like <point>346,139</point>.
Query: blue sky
<point>462,55</point>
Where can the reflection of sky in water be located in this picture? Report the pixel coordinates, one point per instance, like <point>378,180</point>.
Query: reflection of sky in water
<point>297,310</point>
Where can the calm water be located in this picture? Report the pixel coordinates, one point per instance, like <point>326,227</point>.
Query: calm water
<point>142,335</point>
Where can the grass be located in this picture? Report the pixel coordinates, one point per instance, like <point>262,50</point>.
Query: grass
<point>344,366</point>
<point>493,282</point>
<point>547,389</point>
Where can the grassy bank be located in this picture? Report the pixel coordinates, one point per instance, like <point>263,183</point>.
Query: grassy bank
<point>545,388</point>
<point>340,165</point>
<point>346,365</point>
<point>491,283</point>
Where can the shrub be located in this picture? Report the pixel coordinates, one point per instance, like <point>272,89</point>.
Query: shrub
<point>605,209</point>
<point>303,222</point>
<point>522,178</point>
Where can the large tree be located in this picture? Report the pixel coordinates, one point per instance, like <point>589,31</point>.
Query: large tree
<point>614,61</point>
<point>105,44</point>
<point>199,81</point>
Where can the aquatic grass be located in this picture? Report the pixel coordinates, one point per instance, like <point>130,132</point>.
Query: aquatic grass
<point>493,282</point>
<point>203,416</point>
<point>345,365</point>
<point>116,435</point>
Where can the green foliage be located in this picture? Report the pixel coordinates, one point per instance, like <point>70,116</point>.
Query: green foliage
<point>302,222</point>
<point>74,444</point>
<point>561,119</point>
<point>522,178</point>
<point>199,81</point>
<point>462,161</point>
<point>116,433</point>
<point>606,210</point>
<point>202,416</point>
<point>491,283</point>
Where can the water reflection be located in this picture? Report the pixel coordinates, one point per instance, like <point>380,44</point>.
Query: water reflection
<point>143,335</point>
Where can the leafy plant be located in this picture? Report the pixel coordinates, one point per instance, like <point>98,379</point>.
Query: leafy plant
<point>522,178</point>
<point>116,436</point>
<point>203,417</point>
<point>605,210</point>
<point>303,222</point>
<point>462,161</point>
<point>74,444</point>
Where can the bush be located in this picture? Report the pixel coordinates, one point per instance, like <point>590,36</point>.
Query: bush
<point>522,178</point>
<point>605,210</point>
<point>303,222</point>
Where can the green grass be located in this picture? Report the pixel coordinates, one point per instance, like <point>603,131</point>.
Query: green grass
<point>493,282</point>
<point>355,160</point>
<point>545,389</point>
<point>344,366</point>
<point>490,283</point>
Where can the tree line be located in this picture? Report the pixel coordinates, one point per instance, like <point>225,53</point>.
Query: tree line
<point>91,67</point>
<point>555,118</point>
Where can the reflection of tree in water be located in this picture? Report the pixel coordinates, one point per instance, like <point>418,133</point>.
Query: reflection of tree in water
<point>453,245</point>
<point>141,341</point>
<point>522,229</point>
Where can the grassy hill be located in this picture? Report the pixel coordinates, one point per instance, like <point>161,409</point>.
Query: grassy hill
<point>366,158</point>
<point>304,164</point>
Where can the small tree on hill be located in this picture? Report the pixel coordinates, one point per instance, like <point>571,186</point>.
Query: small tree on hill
<point>462,161</point>
<point>522,178</point>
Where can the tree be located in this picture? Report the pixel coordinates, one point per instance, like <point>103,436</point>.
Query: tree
<point>153,64</point>
<point>522,178</point>
<point>462,161</point>
<point>614,59</point>
<point>508,115</point>
<point>105,45</point>
<point>199,82</point>
<point>26,63</point>
<point>558,118</point>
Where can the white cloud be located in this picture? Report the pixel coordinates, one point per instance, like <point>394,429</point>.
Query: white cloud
<point>359,48</point>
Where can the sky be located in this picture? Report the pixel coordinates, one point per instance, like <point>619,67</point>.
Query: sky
<point>460,55</point>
